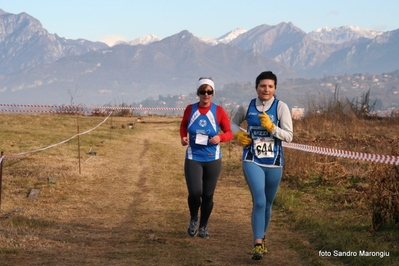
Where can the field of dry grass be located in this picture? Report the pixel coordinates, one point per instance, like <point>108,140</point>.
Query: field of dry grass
<point>127,204</point>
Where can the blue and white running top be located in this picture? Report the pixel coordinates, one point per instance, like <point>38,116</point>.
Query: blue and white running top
<point>201,128</point>
<point>264,149</point>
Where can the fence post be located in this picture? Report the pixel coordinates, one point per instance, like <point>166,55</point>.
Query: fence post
<point>79,151</point>
<point>1,176</point>
<point>110,129</point>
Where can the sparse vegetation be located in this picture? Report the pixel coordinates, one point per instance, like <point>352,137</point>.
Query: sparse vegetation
<point>363,107</point>
<point>335,201</point>
<point>128,206</point>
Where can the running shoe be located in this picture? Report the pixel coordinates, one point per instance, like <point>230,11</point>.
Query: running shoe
<point>264,246</point>
<point>192,227</point>
<point>257,252</point>
<point>203,232</point>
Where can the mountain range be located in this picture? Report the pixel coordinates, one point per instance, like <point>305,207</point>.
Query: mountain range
<point>39,67</point>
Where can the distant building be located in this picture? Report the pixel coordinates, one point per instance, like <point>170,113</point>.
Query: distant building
<point>297,112</point>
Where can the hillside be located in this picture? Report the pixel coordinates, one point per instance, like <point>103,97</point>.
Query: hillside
<point>43,68</point>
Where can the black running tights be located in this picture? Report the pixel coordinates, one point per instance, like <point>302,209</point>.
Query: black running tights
<point>201,179</point>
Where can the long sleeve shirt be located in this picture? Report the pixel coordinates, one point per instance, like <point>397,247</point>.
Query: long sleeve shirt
<point>221,117</point>
<point>284,132</point>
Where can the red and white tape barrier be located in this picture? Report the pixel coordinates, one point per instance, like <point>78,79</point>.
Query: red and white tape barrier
<point>46,111</point>
<point>387,159</point>
<point>53,145</point>
<point>78,108</point>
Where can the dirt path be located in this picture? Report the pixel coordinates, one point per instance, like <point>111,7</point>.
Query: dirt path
<point>130,209</point>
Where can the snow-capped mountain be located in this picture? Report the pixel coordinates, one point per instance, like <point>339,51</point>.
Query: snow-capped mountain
<point>328,35</point>
<point>226,38</point>
<point>209,40</point>
<point>147,39</point>
<point>342,34</point>
<point>46,65</point>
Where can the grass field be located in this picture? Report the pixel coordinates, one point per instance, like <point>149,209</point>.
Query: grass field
<point>127,204</point>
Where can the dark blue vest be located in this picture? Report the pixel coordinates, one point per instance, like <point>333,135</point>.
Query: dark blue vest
<point>264,149</point>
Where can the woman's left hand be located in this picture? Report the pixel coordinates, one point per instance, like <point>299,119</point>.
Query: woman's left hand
<point>215,140</point>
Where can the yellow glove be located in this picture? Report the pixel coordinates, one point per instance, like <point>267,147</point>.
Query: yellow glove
<point>242,138</point>
<point>266,122</point>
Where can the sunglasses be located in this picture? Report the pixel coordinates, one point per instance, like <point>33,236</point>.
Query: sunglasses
<point>206,92</point>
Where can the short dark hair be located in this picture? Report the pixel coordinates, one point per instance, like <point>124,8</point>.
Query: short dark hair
<point>266,75</point>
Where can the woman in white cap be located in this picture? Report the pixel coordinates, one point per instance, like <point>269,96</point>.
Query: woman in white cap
<point>203,127</point>
<point>269,123</point>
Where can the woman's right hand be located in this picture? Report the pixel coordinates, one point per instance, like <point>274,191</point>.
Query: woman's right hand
<point>243,138</point>
<point>184,141</point>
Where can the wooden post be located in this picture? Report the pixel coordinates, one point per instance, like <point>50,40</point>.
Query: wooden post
<point>77,125</point>
<point>79,150</point>
<point>1,175</point>
<point>110,129</point>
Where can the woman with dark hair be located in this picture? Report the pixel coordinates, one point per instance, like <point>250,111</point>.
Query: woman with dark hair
<point>269,122</point>
<point>206,125</point>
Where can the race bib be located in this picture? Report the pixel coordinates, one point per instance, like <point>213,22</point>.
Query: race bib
<point>201,139</point>
<point>264,147</point>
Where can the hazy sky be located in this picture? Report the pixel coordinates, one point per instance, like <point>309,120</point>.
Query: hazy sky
<point>110,20</point>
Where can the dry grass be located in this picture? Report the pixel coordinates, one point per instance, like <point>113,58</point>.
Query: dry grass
<point>128,205</point>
